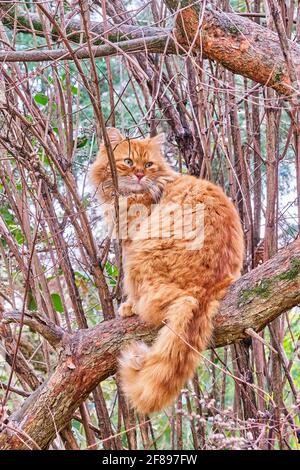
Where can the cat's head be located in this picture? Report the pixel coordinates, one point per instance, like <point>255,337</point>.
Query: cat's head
<point>141,167</point>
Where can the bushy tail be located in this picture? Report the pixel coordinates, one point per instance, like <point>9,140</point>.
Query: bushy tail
<point>153,377</point>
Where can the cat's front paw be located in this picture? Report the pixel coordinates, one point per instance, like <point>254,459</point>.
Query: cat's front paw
<point>126,310</point>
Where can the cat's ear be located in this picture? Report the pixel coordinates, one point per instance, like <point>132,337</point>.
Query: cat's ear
<point>159,139</point>
<point>114,135</point>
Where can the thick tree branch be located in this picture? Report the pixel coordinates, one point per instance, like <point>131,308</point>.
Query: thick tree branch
<point>239,44</point>
<point>91,355</point>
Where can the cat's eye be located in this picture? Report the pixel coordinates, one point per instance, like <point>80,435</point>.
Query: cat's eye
<point>128,162</point>
<point>148,164</point>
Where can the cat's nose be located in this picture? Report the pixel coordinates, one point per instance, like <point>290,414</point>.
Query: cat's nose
<point>140,175</point>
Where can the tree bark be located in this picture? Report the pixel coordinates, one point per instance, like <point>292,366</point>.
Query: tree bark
<point>242,46</point>
<point>89,356</point>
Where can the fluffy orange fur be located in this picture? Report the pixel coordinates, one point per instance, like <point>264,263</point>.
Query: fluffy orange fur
<point>165,281</point>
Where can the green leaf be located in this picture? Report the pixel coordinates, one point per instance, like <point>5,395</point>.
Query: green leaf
<point>111,269</point>
<point>29,118</point>
<point>31,302</point>
<point>113,273</point>
<point>40,98</point>
<point>81,276</point>
<point>74,90</point>
<point>81,142</point>
<point>18,234</point>
<point>57,303</point>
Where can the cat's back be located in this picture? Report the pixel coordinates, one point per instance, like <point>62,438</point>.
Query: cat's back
<point>187,189</point>
<point>222,230</point>
<point>189,251</point>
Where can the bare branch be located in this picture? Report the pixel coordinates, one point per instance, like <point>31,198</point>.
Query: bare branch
<point>149,44</point>
<point>51,332</point>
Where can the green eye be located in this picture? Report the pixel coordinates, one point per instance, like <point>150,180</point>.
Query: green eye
<point>148,164</point>
<point>128,161</point>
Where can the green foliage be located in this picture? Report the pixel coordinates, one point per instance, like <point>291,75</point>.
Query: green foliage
<point>82,141</point>
<point>112,272</point>
<point>41,99</point>
<point>12,224</point>
<point>57,303</point>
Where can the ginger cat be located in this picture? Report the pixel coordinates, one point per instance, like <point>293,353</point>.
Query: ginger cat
<point>168,280</point>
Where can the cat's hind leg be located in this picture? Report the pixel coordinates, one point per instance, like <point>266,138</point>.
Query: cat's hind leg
<point>126,309</point>
<point>153,303</point>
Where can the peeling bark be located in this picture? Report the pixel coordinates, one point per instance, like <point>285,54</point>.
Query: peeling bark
<point>242,46</point>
